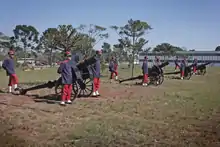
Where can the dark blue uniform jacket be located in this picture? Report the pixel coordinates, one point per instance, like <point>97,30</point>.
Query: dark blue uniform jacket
<point>195,62</point>
<point>8,65</point>
<point>65,70</point>
<point>183,65</point>
<point>97,67</point>
<point>111,66</point>
<point>176,62</point>
<point>145,67</point>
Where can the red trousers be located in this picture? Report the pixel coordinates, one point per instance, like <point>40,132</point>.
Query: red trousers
<point>194,69</point>
<point>182,73</point>
<point>66,92</point>
<point>177,67</point>
<point>113,73</point>
<point>96,83</point>
<point>13,79</point>
<point>145,78</point>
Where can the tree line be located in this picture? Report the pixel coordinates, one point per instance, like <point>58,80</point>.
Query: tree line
<point>29,42</point>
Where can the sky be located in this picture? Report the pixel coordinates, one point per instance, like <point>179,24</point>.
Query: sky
<point>193,24</point>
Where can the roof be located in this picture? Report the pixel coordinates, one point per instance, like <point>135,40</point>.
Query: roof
<point>185,53</point>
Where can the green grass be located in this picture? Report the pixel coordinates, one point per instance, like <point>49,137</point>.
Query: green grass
<point>176,113</point>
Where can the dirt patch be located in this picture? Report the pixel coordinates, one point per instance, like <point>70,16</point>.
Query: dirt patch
<point>124,115</point>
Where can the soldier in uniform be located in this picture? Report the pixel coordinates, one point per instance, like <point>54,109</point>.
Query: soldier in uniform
<point>9,66</point>
<point>182,68</point>
<point>97,74</point>
<point>176,64</point>
<point>65,70</point>
<point>195,62</point>
<point>145,71</point>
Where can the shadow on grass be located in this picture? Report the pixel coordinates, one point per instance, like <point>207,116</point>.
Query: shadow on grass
<point>50,99</point>
<point>2,91</point>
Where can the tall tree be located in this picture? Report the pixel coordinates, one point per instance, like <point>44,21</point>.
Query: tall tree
<point>132,35</point>
<point>48,41</point>
<point>26,37</point>
<point>167,49</point>
<point>67,37</point>
<point>217,48</point>
<point>95,35</point>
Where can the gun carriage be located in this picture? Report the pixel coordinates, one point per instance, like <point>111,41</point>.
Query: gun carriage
<point>155,75</point>
<point>201,69</point>
<point>188,72</point>
<point>82,85</point>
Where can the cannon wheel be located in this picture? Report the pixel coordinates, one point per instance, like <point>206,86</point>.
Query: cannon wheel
<point>202,71</point>
<point>188,76</point>
<point>58,89</point>
<point>156,79</point>
<point>84,92</point>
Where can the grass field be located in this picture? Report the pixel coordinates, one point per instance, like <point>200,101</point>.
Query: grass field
<point>177,113</point>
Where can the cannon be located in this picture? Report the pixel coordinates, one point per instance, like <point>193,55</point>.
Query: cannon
<point>189,71</point>
<point>82,85</point>
<point>201,69</point>
<point>155,75</point>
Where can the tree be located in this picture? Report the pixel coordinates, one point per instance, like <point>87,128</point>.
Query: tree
<point>132,37</point>
<point>217,48</point>
<point>27,37</point>
<point>94,35</point>
<point>167,49</point>
<point>67,37</point>
<point>48,42</point>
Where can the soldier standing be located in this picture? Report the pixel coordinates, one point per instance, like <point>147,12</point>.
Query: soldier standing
<point>97,74</point>
<point>145,71</point>
<point>65,70</point>
<point>9,66</point>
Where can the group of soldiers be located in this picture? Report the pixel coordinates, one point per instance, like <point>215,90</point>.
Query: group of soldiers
<point>69,65</point>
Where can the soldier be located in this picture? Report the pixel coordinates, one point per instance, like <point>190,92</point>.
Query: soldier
<point>65,70</point>
<point>195,62</point>
<point>116,68</point>
<point>176,64</point>
<point>183,66</point>
<point>145,71</point>
<point>111,68</point>
<point>97,74</point>
<point>9,66</point>
<point>157,61</point>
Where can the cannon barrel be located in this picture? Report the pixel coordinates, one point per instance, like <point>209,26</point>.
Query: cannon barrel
<point>164,64</point>
<point>202,65</point>
<point>49,84</point>
<point>151,70</point>
<point>87,62</point>
<point>131,79</point>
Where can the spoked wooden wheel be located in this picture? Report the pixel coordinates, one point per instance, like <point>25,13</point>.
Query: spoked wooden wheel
<point>155,79</point>
<point>188,76</point>
<point>87,91</point>
<point>58,87</point>
<point>202,72</point>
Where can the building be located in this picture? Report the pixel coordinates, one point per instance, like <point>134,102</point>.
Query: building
<point>202,57</point>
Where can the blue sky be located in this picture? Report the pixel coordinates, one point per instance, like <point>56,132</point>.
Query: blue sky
<point>194,24</point>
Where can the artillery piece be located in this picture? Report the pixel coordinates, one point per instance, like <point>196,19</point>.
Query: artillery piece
<point>155,75</point>
<point>82,84</point>
<point>201,69</point>
<point>189,71</point>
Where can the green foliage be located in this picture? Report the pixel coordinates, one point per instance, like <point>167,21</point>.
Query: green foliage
<point>92,34</point>
<point>27,36</point>
<point>217,48</point>
<point>167,49</point>
<point>132,37</point>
